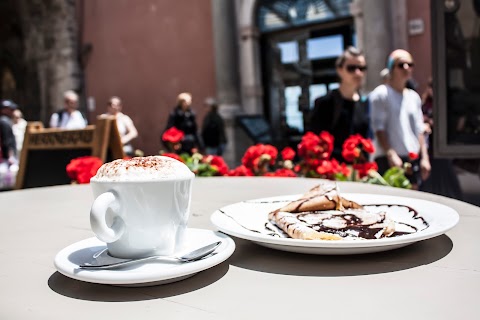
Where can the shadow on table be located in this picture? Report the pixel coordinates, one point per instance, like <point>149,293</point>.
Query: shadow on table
<point>251,256</point>
<point>100,292</point>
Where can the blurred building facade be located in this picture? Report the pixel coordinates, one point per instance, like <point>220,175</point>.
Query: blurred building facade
<point>265,58</point>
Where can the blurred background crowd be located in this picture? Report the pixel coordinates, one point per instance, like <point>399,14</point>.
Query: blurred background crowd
<point>157,64</point>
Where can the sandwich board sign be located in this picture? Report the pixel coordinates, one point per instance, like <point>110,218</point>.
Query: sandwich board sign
<point>47,151</point>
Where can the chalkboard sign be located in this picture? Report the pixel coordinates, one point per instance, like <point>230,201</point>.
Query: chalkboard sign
<point>256,127</point>
<point>46,152</point>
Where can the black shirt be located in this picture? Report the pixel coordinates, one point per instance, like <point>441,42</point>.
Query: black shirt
<point>340,117</point>
<point>186,122</point>
<point>7,139</point>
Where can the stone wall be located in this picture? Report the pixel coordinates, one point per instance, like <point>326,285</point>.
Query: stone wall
<point>47,62</point>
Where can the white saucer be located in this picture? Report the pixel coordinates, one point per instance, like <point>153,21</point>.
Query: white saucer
<point>149,273</point>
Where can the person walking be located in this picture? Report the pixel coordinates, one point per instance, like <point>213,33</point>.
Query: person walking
<point>69,117</point>
<point>397,121</point>
<point>183,118</point>
<point>343,111</point>
<point>125,126</point>
<point>8,146</point>
<point>213,130</point>
<point>19,127</point>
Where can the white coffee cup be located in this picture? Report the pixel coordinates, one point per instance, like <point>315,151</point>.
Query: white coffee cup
<point>141,206</point>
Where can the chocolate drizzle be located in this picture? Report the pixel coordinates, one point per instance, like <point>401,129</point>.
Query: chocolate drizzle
<point>353,226</point>
<point>415,215</point>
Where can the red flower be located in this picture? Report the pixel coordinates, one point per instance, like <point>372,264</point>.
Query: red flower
<point>325,168</point>
<point>364,168</point>
<point>352,148</point>
<point>308,142</point>
<point>413,156</point>
<point>257,157</point>
<point>173,155</point>
<point>327,141</point>
<point>173,135</point>
<point>240,171</point>
<point>343,169</point>
<point>368,146</point>
<point>82,169</point>
<point>283,172</point>
<point>218,163</point>
<point>288,153</point>
<point>313,146</point>
<point>330,168</point>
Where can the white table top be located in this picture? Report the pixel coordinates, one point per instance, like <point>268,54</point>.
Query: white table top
<point>433,279</point>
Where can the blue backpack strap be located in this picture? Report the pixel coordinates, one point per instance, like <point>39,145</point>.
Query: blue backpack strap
<point>60,117</point>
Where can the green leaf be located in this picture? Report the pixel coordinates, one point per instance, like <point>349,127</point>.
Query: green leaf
<point>340,177</point>
<point>396,178</point>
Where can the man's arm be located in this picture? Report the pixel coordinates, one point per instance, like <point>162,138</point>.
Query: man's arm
<point>378,121</point>
<point>425,166</point>
<point>54,120</point>
<point>132,132</point>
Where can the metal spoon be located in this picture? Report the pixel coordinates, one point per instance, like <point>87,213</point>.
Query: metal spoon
<point>191,256</point>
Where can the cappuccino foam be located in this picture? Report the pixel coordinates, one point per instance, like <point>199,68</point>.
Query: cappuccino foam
<point>143,169</point>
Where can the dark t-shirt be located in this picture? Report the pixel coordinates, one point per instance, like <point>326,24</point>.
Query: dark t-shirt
<point>186,122</point>
<point>340,117</point>
<point>213,130</point>
<point>7,139</point>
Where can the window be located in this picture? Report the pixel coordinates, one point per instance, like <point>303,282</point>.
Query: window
<point>288,51</point>
<point>274,15</point>
<point>325,47</point>
<point>293,115</point>
<point>456,84</point>
<point>317,91</point>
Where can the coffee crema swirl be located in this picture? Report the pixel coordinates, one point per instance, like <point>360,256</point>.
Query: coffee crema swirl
<point>143,169</point>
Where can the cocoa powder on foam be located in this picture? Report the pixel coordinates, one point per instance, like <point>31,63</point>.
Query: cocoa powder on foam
<point>142,168</point>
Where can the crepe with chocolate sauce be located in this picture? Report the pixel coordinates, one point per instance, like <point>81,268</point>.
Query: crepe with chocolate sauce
<point>323,214</point>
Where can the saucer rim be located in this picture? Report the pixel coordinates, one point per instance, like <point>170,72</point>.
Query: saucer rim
<point>137,276</point>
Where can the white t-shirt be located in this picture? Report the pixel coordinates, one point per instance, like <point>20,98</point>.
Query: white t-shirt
<point>19,133</point>
<point>123,121</point>
<point>399,115</point>
<point>68,121</point>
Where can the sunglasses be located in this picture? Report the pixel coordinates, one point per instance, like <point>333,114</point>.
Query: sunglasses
<point>351,68</point>
<point>405,65</point>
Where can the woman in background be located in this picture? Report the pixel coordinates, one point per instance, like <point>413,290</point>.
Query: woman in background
<point>213,129</point>
<point>343,111</point>
<point>125,125</point>
<point>183,118</point>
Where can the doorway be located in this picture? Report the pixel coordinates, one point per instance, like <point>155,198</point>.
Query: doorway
<point>298,67</point>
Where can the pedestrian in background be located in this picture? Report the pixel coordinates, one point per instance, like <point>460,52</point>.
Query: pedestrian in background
<point>18,127</point>
<point>8,146</point>
<point>125,125</point>
<point>343,111</point>
<point>69,117</point>
<point>183,118</point>
<point>213,129</point>
<point>397,120</point>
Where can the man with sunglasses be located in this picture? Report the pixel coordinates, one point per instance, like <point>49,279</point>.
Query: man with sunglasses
<point>397,121</point>
<point>343,112</point>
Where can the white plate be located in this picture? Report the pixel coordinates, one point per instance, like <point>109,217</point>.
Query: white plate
<point>149,273</point>
<point>240,219</point>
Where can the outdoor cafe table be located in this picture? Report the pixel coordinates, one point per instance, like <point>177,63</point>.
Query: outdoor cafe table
<point>431,279</point>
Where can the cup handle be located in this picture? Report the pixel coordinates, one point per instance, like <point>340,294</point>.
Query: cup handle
<point>98,220</point>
